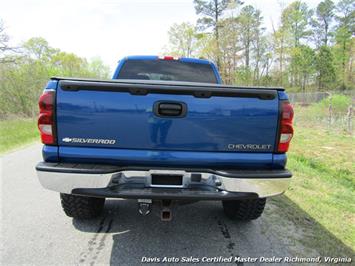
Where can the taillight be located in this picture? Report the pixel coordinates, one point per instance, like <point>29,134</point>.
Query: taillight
<point>168,57</point>
<point>286,129</point>
<point>46,117</point>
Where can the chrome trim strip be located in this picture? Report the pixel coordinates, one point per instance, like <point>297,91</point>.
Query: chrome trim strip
<point>66,182</point>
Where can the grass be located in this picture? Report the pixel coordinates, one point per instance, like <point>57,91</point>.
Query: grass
<point>323,185</point>
<point>16,133</point>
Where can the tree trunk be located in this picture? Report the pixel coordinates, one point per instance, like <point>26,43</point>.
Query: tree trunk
<point>343,64</point>
<point>281,62</point>
<point>304,82</point>
<point>217,33</point>
<point>247,50</point>
<point>325,33</point>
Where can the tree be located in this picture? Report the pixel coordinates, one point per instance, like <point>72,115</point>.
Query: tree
<point>98,69</point>
<point>4,38</point>
<point>263,60</point>
<point>229,49</point>
<point>247,55</point>
<point>343,48</point>
<point>69,64</point>
<point>280,42</point>
<point>4,45</point>
<point>38,48</point>
<point>212,11</point>
<point>22,79</point>
<point>346,14</point>
<point>325,68</point>
<point>295,19</point>
<point>247,23</point>
<point>302,64</point>
<point>207,47</point>
<point>322,22</point>
<point>183,39</point>
<point>342,51</point>
<point>259,42</point>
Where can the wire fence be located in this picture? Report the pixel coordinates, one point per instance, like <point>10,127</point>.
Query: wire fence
<point>306,98</point>
<point>333,111</point>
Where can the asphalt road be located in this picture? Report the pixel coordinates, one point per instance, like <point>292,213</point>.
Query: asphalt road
<point>34,229</point>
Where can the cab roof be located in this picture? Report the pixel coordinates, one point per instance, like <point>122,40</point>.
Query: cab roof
<point>155,57</point>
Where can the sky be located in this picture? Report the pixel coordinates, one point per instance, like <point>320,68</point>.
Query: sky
<point>106,28</point>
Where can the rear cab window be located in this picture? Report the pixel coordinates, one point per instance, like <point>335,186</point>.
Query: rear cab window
<point>173,70</point>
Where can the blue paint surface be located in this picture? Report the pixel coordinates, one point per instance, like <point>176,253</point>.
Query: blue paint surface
<point>130,157</point>
<point>282,95</point>
<point>210,124</point>
<point>50,153</point>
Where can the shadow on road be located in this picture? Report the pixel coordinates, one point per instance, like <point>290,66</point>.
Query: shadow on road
<point>201,230</point>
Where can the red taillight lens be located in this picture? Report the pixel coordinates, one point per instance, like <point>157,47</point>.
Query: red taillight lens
<point>168,57</point>
<point>286,129</point>
<point>46,117</point>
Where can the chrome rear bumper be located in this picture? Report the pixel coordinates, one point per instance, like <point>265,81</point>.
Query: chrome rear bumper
<point>128,182</point>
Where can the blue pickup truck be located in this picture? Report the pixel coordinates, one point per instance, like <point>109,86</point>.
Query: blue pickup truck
<point>163,131</point>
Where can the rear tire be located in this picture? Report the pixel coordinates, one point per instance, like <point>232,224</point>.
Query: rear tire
<point>244,210</point>
<point>81,207</point>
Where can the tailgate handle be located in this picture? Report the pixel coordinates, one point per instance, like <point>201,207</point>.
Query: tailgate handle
<point>170,109</point>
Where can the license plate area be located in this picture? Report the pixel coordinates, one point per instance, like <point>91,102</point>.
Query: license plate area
<point>166,180</point>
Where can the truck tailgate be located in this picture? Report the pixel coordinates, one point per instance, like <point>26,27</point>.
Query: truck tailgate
<point>124,115</point>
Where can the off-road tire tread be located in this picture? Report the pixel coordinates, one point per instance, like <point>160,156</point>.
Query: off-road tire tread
<point>244,210</point>
<point>81,207</point>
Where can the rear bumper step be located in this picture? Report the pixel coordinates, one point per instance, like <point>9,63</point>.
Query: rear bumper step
<point>136,182</point>
<point>163,193</point>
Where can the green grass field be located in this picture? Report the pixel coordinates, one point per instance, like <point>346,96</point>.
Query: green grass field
<point>16,133</point>
<point>323,186</point>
